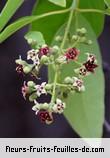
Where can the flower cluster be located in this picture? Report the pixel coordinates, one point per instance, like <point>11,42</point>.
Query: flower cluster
<point>58,89</point>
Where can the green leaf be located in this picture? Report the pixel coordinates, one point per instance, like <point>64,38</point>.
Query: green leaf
<point>49,25</point>
<point>107,2</point>
<point>61,3</point>
<point>12,28</point>
<point>8,11</point>
<point>85,111</point>
<point>96,20</point>
<point>54,22</point>
<point>35,38</point>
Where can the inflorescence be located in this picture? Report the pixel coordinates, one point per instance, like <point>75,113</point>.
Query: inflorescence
<point>55,57</point>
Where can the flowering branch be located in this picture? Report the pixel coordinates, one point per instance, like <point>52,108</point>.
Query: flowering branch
<point>42,54</point>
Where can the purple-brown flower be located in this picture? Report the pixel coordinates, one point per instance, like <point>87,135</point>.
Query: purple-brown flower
<point>25,90</point>
<point>45,117</point>
<point>19,69</point>
<point>72,54</point>
<point>44,51</point>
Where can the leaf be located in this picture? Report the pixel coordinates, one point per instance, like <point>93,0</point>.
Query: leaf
<point>61,3</point>
<point>85,111</point>
<point>8,11</point>
<point>34,37</point>
<point>96,20</point>
<point>54,22</point>
<point>49,25</point>
<point>107,2</point>
<point>12,28</point>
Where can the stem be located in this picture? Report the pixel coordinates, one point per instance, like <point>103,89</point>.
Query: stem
<point>73,7</point>
<point>72,10</point>
<point>63,85</point>
<point>54,86</point>
<point>90,10</point>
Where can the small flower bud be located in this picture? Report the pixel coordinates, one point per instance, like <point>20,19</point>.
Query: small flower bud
<point>20,62</point>
<point>89,42</point>
<point>81,32</point>
<point>74,37</point>
<point>30,41</point>
<point>83,39</point>
<point>68,80</point>
<point>44,59</point>
<point>48,87</point>
<point>54,49</point>
<point>27,69</point>
<point>36,107</point>
<point>58,39</point>
<point>45,106</point>
<point>31,84</point>
<point>61,60</point>
<point>32,97</point>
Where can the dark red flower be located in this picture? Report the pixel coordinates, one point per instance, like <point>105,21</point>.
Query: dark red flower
<point>25,90</point>
<point>72,54</point>
<point>90,66</point>
<point>19,69</point>
<point>45,117</point>
<point>44,51</point>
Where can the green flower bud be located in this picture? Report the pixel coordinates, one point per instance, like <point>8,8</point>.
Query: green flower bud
<point>83,39</point>
<point>48,87</point>
<point>27,69</point>
<point>31,84</point>
<point>44,59</point>
<point>61,60</point>
<point>45,106</point>
<point>58,38</point>
<point>68,80</point>
<point>21,62</point>
<point>77,70</point>
<point>81,32</point>
<point>54,49</point>
<point>29,41</point>
<point>75,37</point>
<point>89,42</point>
<point>32,97</point>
